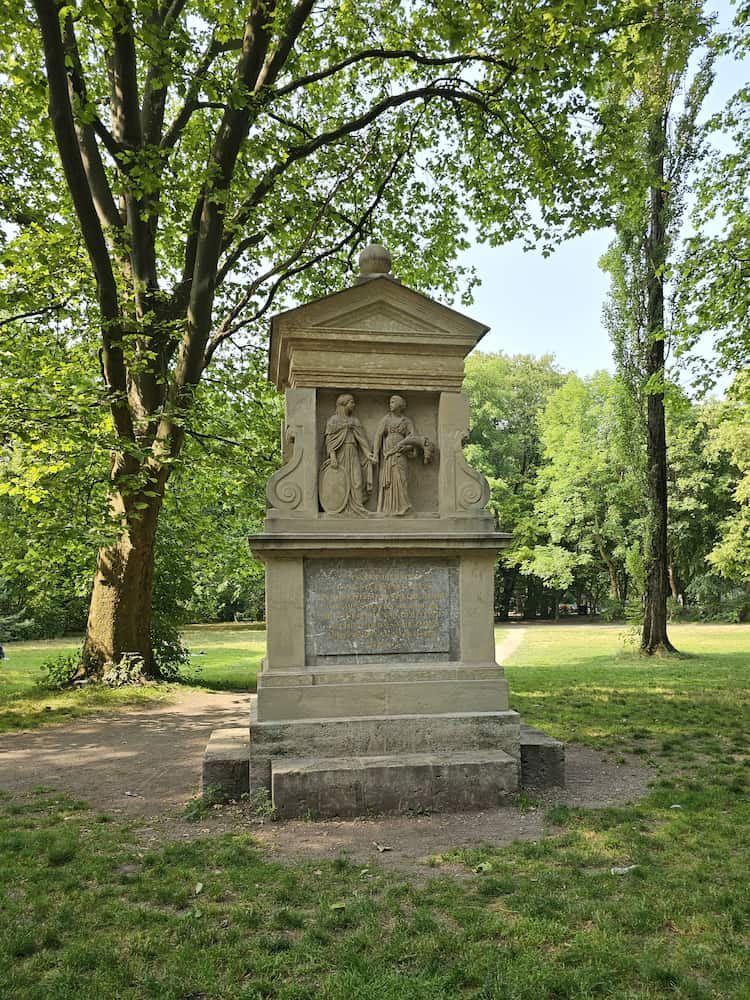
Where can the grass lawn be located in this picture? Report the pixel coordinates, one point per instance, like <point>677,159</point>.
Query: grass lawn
<point>585,684</point>
<point>24,705</point>
<point>89,913</point>
<point>227,657</point>
<point>222,658</point>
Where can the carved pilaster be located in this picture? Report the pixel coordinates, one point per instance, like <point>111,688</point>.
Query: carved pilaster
<point>293,490</point>
<point>463,490</point>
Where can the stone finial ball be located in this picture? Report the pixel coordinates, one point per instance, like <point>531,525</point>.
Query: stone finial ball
<point>374,259</point>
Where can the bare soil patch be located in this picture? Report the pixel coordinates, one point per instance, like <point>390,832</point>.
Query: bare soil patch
<point>144,764</point>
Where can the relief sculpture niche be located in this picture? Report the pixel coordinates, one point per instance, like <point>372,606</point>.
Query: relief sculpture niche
<point>346,475</point>
<point>395,442</point>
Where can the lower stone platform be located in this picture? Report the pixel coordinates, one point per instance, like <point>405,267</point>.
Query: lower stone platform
<point>226,762</point>
<point>359,786</point>
<point>390,776</point>
<point>271,743</point>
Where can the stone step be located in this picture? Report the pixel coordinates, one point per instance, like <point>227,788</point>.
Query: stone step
<point>376,736</point>
<point>542,759</point>
<point>226,762</point>
<point>324,787</point>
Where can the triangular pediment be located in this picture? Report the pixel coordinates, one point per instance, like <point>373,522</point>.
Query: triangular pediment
<point>383,316</point>
<point>385,305</point>
<point>379,309</point>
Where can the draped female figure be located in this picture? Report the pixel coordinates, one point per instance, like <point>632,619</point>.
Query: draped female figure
<point>346,474</point>
<point>392,448</point>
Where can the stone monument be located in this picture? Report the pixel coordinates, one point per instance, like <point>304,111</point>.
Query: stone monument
<point>380,691</point>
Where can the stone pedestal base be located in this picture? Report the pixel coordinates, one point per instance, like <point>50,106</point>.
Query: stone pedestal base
<point>371,765</point>
<point>360,786</point>
<point>394,736</point>
<point>349,690</point>
<point>226,762</point>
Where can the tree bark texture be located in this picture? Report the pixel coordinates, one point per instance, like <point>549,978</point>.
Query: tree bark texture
<point>120,610</point>
<point>654,636</point>
<point>614,583</point>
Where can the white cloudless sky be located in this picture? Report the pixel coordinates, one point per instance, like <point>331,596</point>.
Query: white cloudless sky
<point>553,305</point>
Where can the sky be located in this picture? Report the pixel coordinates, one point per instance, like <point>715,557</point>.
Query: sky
<point>553,305</point>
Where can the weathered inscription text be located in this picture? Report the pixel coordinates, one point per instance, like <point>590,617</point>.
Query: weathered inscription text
<point>379,607</point>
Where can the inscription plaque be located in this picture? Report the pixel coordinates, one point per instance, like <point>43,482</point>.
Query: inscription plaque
<point>374,610</point>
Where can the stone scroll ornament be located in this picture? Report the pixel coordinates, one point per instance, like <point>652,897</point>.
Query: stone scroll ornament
<point>395,442</point>
<point>346,475</point>
<point>472,489</point>
<point>283,490</point>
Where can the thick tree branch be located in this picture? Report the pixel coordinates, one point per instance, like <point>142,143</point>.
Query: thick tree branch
<point>126,115</point>
<point>275,61</point>
<point>378,54</point>
<point>55,307</point>
<point>228,327</point>
<point>122,64</point>
<point>450,92</point>
<point>97,178</point>
<point>155,95</point>
<point>206,244</point>
<point>242,247</point>
<point>214,437</point>
<point>61,115</point>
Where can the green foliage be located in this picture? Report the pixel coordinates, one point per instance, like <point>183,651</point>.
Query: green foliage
<point>712,598</point>
<point>590,484</point>
<point>201,806</point>
<point>128,670</point>
<point>612,610</point>
<point>261,805</point>
<point>730,437</point>
<point>715,262</point>
<point>207,183</point>
<point>59,671</point>
<point>508,395</point>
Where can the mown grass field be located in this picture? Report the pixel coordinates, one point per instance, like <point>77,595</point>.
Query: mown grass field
<point>89,913</point>
<point>221,658</point>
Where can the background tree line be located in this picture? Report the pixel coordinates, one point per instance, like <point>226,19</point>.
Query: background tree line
<point>567,474</point>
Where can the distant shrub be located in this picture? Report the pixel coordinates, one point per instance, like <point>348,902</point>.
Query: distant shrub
<point>612,610</point>
<point>714,599</point>
<point>59,671</point>
<point>170,654</point>
<point>677,612</point>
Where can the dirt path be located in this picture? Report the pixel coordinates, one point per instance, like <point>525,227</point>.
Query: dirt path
<point>140,762</point>
<point>509,644</point>
<point>144,764</point>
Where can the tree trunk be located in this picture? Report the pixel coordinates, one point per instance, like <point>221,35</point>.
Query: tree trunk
<point>531,604</point>
<point>674,586</point>
<point>505,583</point>
<point>654,637</point>
<point>120,611</point>
<point>614,583</point>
